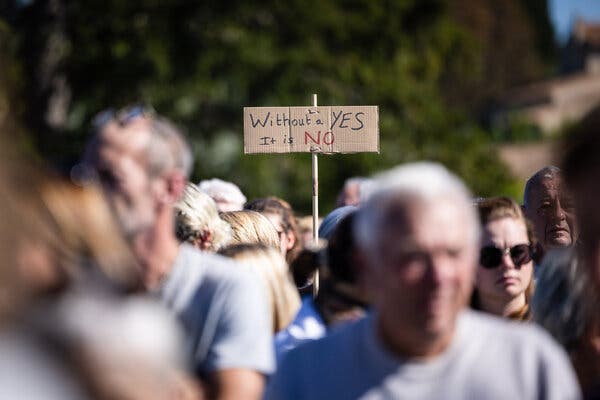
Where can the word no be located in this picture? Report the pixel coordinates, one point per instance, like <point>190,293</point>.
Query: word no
<point>328,138</point>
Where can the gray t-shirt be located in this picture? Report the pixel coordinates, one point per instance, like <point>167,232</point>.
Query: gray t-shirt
<point>488,359</point>
<point>224,313</point>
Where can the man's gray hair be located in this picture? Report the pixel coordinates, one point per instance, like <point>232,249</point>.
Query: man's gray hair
<point>168,148</point>
<point>424,182</point>
<point>364,186</point>
<point>547,172</point>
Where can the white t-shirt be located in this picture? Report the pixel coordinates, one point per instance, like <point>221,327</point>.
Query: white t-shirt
<point>488,358</point>
<point>28,370</point>
<point>224,312</point>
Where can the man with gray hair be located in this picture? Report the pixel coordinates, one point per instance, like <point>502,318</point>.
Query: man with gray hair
<point>549,207</point>
<point>419,237</point>
<point>226,195</point>
<point>354,192</point>
<point>142,162</point>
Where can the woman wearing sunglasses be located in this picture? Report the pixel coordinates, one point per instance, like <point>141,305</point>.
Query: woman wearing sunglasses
<point>504,278</point>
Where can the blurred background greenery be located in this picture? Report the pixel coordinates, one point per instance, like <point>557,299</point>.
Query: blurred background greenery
<point>433,67</point>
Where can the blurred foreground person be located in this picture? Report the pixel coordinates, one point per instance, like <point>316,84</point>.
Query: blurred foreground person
<point>270,266</point>
<point>549,206</point>
<point>76,268</point>
<point>226,195</point>
<point>419,234</point>
<point>504,279</point>
<point>142,162</point>
<point>29,368</point>
<point>198,221</point>
<point>67,331</point>
<point>566,306</point>
<point>581,166</point>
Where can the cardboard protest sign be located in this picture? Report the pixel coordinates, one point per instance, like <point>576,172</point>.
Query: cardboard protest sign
<point>329,129</point>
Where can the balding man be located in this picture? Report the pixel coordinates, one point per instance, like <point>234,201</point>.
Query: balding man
<point>420,240</point>
<point>142,161</point>
<point>547,204</point>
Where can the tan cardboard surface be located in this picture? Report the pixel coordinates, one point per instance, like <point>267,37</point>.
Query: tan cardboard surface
<point>325,129</point>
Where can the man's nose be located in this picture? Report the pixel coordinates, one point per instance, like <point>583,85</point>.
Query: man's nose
<point>558,212</point>
<point>439,270</point>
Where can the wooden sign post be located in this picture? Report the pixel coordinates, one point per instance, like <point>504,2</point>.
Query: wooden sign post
<point>313,129</point>
<point>315,204</point>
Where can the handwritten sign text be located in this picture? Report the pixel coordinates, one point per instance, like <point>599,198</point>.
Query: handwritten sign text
<point>328,129</point>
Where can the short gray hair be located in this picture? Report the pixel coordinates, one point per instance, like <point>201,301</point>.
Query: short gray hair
<point>196,212</point>
<point>547,172</point>
<point>421,181</point>
<point>364,186</point>
<point>223,191</point>
<point>168,148</point>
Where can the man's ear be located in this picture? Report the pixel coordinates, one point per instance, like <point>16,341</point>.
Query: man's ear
<point>176,181</point>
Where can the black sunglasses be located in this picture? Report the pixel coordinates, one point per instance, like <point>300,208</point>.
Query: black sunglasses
<point>491,256</point>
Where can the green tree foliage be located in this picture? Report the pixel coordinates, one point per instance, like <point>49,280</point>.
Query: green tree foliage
<point>513,43</point>
<point>11,106</point>
<point>200,63</point>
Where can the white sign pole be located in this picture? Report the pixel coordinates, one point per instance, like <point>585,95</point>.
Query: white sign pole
<point>315,205</point>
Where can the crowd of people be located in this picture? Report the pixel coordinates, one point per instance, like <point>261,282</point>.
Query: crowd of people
<point>127,281</point>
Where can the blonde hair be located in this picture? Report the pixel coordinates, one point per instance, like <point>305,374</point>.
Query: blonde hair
<point>275,205</point>
<point>78,226</point>
<point>251,227</point>
<point>268,263</point>
<point>496,208</point>
<point>195,213</point>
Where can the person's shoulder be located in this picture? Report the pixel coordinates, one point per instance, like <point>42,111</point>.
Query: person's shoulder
<point>227,309</point>
<point>214,268</point>
<point>523,339</point>
<point>307,325</point>
<point>197,276</point>
<point>325,367</point>
<point>334,345</point>
<point>502,328</point>
<point>520,352</point>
